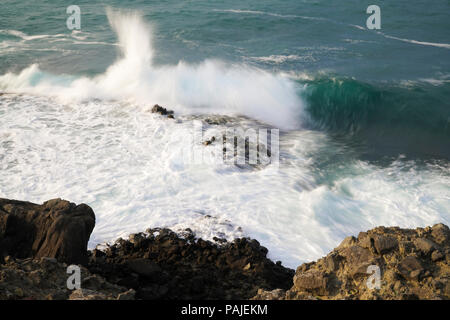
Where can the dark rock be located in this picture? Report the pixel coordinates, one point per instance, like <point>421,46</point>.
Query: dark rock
<point>210,141</point>
<point>182,267</point>
<point>57,228</point>
<point>410,267</point>
<point>152,292</point>
<point>135,238</point>
<point>162,111</point>
<point>145,267</point>
<point>384,244</point>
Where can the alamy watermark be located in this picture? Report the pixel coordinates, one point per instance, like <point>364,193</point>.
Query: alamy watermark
<point>374,20</point>
<point>232,145</point>
<point>74,280</point>
<point>374,280</point>
<point>73,22</point>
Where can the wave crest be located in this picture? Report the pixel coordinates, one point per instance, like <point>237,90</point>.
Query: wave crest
<point>209,87</point>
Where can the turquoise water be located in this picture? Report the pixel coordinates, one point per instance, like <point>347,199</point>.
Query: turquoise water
<point>364,114</point>
<point>378,84</point>
<point>321,33</point>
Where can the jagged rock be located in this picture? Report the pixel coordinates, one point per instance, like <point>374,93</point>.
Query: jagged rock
<point>436,256</point>
<point>57,228</point>
<point>312,281</point>
<point>384,244</point>
<point>410,267</point>
<point>46,279</point>
<point>165,265</point>
<point>277,294</point>
<point>162,111</point>
<point>357,259</point>
<point>441,234</point>
<point>135,238</point>
<point>413,264</point>
<point>424,245</point>
<point>160,264</point>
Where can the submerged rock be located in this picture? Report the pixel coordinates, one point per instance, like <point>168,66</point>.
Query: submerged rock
<point>57,228</point>
<point>210,141</point>
<point>162,111</point>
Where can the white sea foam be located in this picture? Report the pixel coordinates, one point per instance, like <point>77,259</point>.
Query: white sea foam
<point>423,43</point>
<point>278,59</point>
<point>90,140</point>
<point>209,87</point>
<point>253,12</point>
<point>127,164</point>
<point>24,36</point>
<point>256,12</point>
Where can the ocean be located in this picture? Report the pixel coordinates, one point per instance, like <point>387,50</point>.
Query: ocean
<point>363,115</point>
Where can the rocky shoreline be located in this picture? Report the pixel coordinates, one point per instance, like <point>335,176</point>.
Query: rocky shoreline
<point>39,242</point>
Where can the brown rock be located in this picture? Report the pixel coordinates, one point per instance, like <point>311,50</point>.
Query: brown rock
<point>161,110</point>
<point>357,259</point>
<point>312,281</point>
<point>424,245</point>
<point>347,242</point>
<point>384,244</point>
<point>86,294</point>
<point>331,262</point>
<point>441,233</point>
<point>410,268</point>
<point>436,256</point>
<point>277,294</point>
<point>413,265</point>
<point>57,228</point>
<point>45,278</point>
<point>406,247</point>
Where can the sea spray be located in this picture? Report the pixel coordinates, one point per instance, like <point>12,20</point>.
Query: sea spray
<point>211,86</point>
<point>102,146</point>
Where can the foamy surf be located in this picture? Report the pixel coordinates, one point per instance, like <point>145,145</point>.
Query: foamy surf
<point>92,140</point>
<point>126,164</point>
<point>212,86</point>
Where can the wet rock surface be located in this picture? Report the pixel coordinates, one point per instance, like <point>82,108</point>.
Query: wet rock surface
<point>57,228</point>
<point>162,111</point>
<point>161,265</point>
<point>413,264</point>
